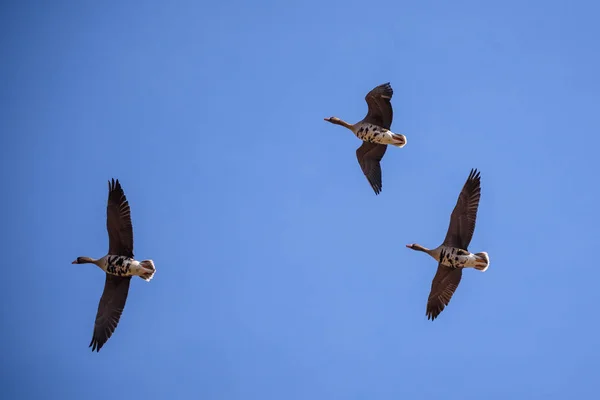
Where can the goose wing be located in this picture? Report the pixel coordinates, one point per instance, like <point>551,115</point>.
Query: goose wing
<point>464,215</point>
<point>380,107</point>
<point>118,221</point>
<point>444,285</point>
<point>110,309</point>
<point>369,156</point>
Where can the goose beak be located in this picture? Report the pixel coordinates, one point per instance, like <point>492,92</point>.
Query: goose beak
<point>326,119</point>
<point>409,246</point>
<point>74,262</point>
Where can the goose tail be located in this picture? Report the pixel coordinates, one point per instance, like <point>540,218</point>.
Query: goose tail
<point>148,270</point>
<point>483,261</point>
<point>398,140</point>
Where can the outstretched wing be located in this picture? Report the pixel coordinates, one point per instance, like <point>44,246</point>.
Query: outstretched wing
<point>380,107</point>
<point>110,309</point>
<point>444,284</point>
<point>118,222</point>
<point>464,215</point>
<point>369,156</point>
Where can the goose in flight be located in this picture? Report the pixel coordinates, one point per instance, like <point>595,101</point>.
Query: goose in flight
<point>374,131</point>
<point>119,266</point>
<point>452,255</point>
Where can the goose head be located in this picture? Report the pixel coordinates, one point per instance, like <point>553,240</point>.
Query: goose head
<point>84,260</point>
<point>337,121</point>
<point>417,247</point>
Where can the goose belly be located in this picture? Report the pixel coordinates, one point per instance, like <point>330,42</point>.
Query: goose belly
<point>457,258</point>
<point>120,265</point>
<point>373,134</point>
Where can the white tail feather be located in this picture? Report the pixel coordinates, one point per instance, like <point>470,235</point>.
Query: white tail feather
<point>399,140</point>
<point>148,270</point>
<point>483,261</point>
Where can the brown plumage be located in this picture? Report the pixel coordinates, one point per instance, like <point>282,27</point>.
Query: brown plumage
<point>369,156</point>
<point>460,232</point>
<point>456,243</point>
<point>380,111</point>
<point>116,288</point>
<point>110,308</point>
<point>444,284</point>
<point>118,265</point>
<point>380,114</point>
<point>118,221</point>
<point>464,215</point>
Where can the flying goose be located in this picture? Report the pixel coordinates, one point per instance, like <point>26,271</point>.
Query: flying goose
<point>374,131</point>
<point>452,255</point>
<point>118,264</point>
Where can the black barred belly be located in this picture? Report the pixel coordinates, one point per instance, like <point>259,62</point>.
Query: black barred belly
<point>119,265</point>
<point>453,257</point>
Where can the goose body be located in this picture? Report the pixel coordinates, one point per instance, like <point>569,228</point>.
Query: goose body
<point>374,131</point>
<point>119,266</point>
<point>452,255</point>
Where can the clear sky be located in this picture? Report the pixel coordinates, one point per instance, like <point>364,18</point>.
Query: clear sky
<point>280,274</point>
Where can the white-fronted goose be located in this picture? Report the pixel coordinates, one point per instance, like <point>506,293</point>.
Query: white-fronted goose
<point>374,131</point>
<point>118,264</point>
<point>452,255</point>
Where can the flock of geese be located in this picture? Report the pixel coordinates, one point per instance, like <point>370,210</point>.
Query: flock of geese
<point>452,255</point>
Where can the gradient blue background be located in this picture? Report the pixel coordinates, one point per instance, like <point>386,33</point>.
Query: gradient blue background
<point>280,274</point>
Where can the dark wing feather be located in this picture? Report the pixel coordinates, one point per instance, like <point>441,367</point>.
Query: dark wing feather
<point>444,284</point>
<point>118,222</point>
<point>380,107</point>
<point>110,308</point>
<point>464,215</point>
<point>369,155</point>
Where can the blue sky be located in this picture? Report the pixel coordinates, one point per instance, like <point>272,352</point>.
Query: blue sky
<point>280,275</point>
